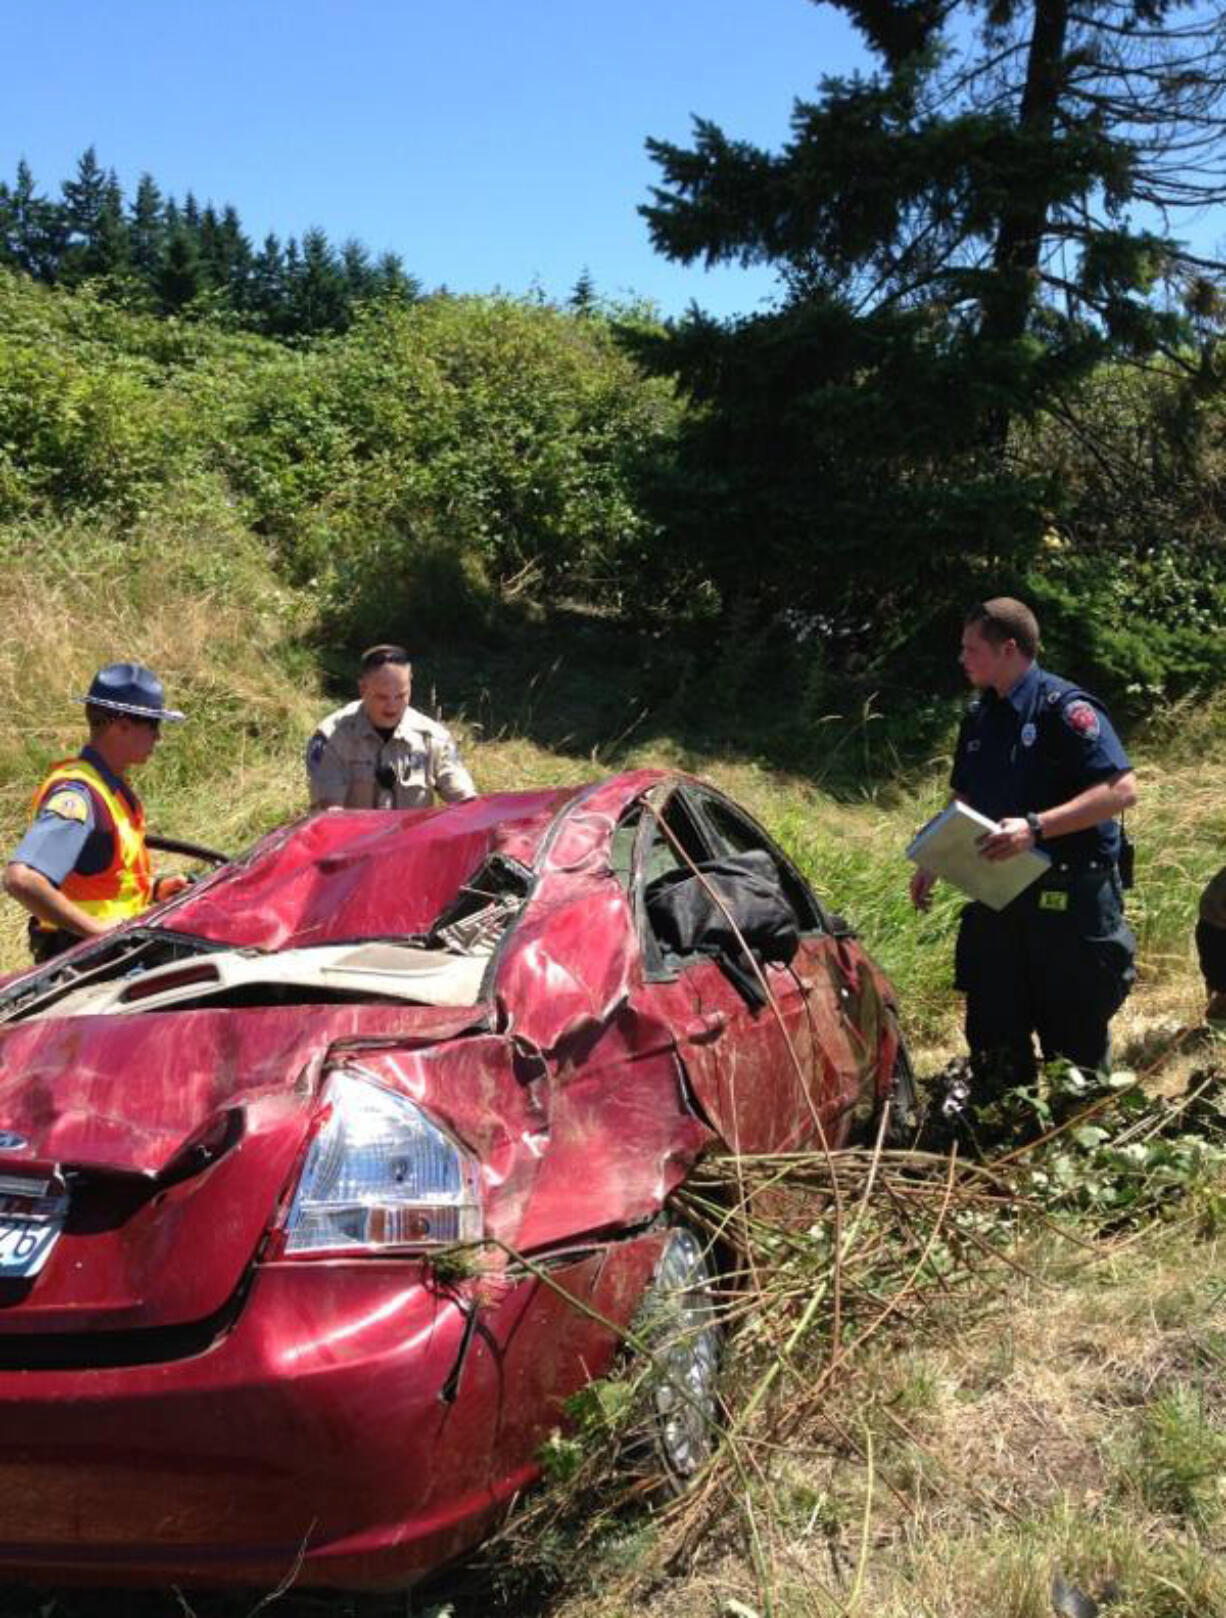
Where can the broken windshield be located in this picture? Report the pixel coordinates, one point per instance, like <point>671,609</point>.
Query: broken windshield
<point>149,968</point>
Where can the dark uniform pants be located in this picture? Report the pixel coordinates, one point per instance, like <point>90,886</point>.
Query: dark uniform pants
<point>1211,949</point>
<point>1058,962</point>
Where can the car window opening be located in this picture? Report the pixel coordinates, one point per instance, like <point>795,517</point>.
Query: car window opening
<point>734,833</point>
<point>731,908</point>
<point>484,908</point>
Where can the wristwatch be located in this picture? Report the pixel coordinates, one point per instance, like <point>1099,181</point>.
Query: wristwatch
<point>1036,826</point>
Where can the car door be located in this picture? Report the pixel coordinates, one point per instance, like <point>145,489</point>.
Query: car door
<point>760,1074</point>
<point>843,1009</point>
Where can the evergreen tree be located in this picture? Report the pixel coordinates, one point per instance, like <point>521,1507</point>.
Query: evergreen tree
<point>356,269</point>
<point>238,257</point>
<point>179,252</point>
<point>180,278</point>
<point>267,294</point>
<point>214,268</point>
<point>110,252</point>
<point>146,229</point>
<point>391,280</point>
<point>583,294</point>
<point>84,202</point>
<point>318,294</point>
<point>35,229</point>
<point>961,237</point>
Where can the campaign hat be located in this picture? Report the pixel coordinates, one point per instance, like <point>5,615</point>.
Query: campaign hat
<point>129,688</point>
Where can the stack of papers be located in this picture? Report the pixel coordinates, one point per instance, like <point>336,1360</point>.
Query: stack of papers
<point>948,846</point>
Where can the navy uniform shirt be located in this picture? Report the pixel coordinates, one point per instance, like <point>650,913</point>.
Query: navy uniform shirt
<point>64,835</point>
<point>1044,743</point>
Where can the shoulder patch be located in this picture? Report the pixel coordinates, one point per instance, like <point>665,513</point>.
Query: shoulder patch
<point>315,749</point>
<point>1082,717</point>
<point>68,803</point>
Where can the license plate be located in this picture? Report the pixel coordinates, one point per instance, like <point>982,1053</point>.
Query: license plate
<point>29,1229</point>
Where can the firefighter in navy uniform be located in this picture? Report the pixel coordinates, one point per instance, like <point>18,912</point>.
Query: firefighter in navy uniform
<point>1211,947</point>
<point>83,866</point>
<point>1040,757</point>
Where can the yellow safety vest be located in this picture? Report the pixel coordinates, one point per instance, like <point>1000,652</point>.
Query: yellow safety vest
<point>125,887</point>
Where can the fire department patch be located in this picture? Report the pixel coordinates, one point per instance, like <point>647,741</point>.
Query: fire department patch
<point>67,804</point>
<point>316,750</point>
<point>1081,717</point>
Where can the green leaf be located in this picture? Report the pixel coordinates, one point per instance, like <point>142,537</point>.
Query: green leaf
<point>1090,1135</point>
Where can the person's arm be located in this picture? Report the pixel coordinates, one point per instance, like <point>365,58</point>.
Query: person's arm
<point>44,900</point>
<point>1102,801</point>
<point>326,778</point>
<point>452,781</point>
<point>922,884</point>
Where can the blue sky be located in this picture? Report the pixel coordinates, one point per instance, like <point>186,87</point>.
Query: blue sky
<point>491,144</point>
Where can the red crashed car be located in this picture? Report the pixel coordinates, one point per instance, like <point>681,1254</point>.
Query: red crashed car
<point>234,1134</point>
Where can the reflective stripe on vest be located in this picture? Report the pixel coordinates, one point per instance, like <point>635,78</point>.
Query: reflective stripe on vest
<point>125,888</point>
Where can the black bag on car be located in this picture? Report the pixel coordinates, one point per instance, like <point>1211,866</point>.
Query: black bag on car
<point>687,920</point>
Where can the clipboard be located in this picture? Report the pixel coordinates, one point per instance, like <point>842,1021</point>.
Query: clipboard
<point>947,847</point>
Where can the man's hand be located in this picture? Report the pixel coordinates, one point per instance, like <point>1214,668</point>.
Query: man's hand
<point>922,884</point>
<point>1012,837</point>
<point>165,887</point>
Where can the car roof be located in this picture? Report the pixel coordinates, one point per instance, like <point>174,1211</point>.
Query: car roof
<point>343,874</point>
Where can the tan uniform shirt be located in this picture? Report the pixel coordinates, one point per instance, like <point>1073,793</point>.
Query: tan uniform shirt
<point>349,763</point>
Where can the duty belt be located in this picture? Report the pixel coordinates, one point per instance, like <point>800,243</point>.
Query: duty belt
<point>1064,873</point>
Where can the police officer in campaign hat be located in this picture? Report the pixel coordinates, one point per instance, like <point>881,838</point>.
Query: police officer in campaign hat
<point>377,752</point>
<point>83,867</point>
<point>1040,757</point>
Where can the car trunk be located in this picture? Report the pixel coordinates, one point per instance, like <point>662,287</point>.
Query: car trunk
<point>172,1136</point>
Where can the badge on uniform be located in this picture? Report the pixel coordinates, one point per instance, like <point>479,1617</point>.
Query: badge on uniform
<point>315,750</point>
<point>67,804</point>
<point>1082,718</point>
<point>1028,735</point>
<point>1053,899</point>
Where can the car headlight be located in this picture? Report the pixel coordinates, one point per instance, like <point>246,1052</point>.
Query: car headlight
<point>380,1175</point>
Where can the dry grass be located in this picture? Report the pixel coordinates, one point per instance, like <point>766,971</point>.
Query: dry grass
<point>1053,1411</point>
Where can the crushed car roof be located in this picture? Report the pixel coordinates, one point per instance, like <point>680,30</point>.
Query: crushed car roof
<point>333,877</point>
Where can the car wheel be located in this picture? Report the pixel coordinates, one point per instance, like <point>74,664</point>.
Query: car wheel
<point>677,1426</point>
<point>902,1124</point>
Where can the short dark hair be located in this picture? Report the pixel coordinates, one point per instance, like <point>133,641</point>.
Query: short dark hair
<point>1001,619</point>
<point>374,657</point>
<point>99,719</point>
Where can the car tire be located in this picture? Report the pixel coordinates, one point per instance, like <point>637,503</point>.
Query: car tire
<point>676,1428</point>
